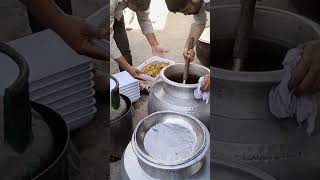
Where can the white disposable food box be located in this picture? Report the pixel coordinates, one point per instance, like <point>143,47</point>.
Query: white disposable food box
<point>151,60</point>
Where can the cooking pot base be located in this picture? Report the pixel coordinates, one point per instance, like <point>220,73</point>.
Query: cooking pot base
<point>131,170</point>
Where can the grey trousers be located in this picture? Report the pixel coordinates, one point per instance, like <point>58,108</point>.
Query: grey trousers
<point>121,38</point>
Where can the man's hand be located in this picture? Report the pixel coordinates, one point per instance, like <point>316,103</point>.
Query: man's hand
<point>74,31</point>
<point>158,51</point>
<point>305,78</point>
<point>206,83</point>
<point>79,35</point>
<point>188,54</point>
<point>135,72</point>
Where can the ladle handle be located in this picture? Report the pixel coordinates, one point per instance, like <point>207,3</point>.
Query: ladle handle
<point>17,109</point>
<point>187,62</point>
<point>240,51</point>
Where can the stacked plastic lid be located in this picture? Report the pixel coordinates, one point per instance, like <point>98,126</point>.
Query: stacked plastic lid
<point>59,77</point>
<point>128,86</point>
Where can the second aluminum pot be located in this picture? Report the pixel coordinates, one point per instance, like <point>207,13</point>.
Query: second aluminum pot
<point>180,170</point>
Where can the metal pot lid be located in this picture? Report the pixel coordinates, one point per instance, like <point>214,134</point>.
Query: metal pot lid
<point>169,138</point>
<point>205,36</point>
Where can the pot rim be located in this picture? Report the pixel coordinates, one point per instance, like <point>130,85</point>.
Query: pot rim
<point>129,107</point>
<point>262,76</point>
<point>246,76</point>
<point>189,86</point>
<point>191,161</point>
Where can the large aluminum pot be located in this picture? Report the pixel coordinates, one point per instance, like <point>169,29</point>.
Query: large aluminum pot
<point>244,129</point>
<point>171,145</point>
<point>178,97</point>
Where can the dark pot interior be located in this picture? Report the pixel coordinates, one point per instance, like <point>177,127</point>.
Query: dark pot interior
<point>263,55</point>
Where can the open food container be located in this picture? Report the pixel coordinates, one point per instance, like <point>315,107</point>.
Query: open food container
<point>154,60</point>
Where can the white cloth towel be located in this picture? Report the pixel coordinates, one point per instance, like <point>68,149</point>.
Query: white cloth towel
<point>198,94</point>
<point>283,103</point>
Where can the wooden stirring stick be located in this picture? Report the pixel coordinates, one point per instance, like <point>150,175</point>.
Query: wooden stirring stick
<point>187,62</point>
<point>240,51</point>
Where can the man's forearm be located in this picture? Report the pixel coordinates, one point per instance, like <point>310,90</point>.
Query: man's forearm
<point>152,39</point>
<point>46,11</point>
<point>123,63</point>
<point>195,31</point>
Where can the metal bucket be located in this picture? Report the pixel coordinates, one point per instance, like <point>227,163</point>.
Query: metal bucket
<point>121,131</point>
<point>244,129</point>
